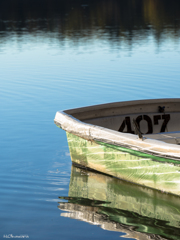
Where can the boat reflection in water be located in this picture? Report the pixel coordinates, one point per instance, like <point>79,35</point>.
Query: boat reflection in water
<point>116,205</point>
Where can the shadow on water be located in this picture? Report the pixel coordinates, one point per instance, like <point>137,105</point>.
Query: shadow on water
<point>114,20</point>
<point>120,206</point>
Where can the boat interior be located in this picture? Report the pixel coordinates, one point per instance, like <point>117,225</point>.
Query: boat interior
<point>168,137</point>
<point>154,119</point>
<point>143,129</point>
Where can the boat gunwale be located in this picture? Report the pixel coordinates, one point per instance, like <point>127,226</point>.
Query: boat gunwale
<point>100,110</point>
<point>91,132</point>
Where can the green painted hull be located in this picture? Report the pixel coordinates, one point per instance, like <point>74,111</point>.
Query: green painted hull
<point>139,168</point>
<point>116,205</point>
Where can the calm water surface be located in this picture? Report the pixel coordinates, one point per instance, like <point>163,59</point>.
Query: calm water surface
<point>57,55</point>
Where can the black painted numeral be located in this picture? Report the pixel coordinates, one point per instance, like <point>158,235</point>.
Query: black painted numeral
<point>127,123</point>
<point>148,120</point>
<point>156,119</point>
<point>166,118</point>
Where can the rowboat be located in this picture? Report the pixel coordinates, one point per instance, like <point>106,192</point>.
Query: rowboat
<point>137,141</point>
<point>120,206</point>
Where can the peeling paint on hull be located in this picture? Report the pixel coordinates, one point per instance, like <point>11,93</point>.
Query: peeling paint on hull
<point>141,170</point>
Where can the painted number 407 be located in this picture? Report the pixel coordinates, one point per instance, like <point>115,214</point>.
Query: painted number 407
<point>150,123</point>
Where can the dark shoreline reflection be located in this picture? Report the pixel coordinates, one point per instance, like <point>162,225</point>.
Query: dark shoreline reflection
<point>119,206</point>
<point>114,20</point>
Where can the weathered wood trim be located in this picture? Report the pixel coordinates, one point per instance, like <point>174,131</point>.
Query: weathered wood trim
<point>92,132</point>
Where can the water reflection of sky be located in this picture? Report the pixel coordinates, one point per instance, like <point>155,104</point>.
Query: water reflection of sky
<point>79,65</point>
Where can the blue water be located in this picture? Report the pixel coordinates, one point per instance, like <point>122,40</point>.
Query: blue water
<point>40,73</point>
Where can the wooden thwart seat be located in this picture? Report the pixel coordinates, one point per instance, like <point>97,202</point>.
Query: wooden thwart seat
<point>168,137</point>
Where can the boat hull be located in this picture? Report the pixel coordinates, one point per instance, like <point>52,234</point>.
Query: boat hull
<point>102,138</point>
<point>124,164</point>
